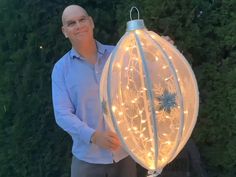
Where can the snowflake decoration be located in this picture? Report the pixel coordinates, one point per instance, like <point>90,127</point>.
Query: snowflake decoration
<point>167,101</point>
<point>104,107</point>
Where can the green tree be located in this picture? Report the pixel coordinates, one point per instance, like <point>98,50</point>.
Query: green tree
<point>31,42</point>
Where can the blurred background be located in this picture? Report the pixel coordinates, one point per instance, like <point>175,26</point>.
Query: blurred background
<point>31,41</point>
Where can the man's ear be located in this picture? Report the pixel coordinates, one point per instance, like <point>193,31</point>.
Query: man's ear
<point>64,31</point>
<point>91,20</point>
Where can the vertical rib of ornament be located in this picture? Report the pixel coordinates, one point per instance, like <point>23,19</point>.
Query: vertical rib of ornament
<point>121,95</point>
<point>151,98</point>
<point>109,101</point>
<point>137,143</point>
<point>145,99</point>
<point>196,107</point>
<point>166,58</point>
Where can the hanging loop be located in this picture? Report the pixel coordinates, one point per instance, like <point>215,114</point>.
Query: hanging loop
<point>130,12</point>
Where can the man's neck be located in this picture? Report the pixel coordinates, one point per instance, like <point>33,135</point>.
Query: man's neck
<point>88,50</point>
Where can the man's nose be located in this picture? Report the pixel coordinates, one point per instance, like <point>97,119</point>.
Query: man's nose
<point>78,24</point>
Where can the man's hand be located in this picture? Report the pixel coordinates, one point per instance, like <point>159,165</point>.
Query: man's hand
<point>107,140</point>
<point>168,39</point>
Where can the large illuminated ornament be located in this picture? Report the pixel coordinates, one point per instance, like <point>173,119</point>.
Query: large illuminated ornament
<point>149,95</point>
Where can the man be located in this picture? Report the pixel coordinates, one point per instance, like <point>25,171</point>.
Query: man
<point>75,89</point>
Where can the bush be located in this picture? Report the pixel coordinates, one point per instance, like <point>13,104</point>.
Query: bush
<point>31,42</point>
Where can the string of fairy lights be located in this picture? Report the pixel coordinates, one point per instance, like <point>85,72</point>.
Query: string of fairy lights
<point>130,102</point>
<point>149,96</point>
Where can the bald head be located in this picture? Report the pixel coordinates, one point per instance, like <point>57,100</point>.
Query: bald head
<point>72,10</point>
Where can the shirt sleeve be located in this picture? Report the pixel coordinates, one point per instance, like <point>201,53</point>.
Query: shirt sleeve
<point>64,110</point>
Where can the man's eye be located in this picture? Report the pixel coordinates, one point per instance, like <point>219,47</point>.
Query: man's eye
<point>71,23</point>
<point>82,20</point>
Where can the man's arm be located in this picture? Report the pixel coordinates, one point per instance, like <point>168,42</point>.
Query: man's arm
<point>65,116</point>
<point>64,110</point>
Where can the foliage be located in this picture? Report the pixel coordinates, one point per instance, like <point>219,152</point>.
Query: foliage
<point>215,132</point>
<point>31,42</point>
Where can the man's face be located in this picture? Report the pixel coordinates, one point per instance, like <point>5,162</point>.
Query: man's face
<point>77,25</point>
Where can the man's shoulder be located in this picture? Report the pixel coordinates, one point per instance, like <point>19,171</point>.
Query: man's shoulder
<point>62,62</point>
<point>63,59</point>
<point>106,47</point>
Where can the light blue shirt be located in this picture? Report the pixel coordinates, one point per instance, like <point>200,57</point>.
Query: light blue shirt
<point>77,108</point>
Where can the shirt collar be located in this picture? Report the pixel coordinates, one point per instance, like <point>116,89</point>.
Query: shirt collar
<point>100,49</point>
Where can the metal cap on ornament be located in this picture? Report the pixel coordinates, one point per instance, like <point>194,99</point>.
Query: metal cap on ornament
<point>135,24</point>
